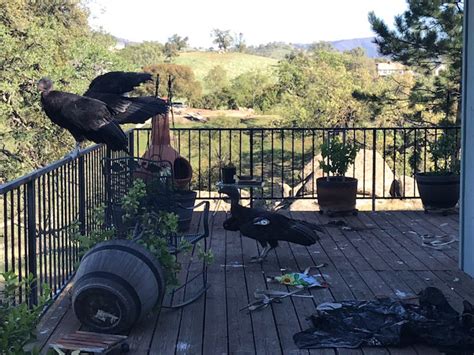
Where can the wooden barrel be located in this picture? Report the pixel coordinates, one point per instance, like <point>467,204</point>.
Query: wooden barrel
<point>117,282</point>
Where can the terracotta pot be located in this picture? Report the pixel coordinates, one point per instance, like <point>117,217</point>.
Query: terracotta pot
<point>438,191</point>
<point>336,194</point>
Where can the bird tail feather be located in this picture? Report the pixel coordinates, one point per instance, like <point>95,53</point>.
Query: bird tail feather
<point>112,135</point>
<point>302,234</point>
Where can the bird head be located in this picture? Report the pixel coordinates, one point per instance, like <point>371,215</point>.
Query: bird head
<point>232,192</point>
<point>45,85</point>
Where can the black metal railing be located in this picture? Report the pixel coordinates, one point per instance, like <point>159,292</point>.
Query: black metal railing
<point>287,159</point>
<point>40,212</point>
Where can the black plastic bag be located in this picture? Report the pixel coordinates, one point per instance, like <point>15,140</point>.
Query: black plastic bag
<point>390,322</point>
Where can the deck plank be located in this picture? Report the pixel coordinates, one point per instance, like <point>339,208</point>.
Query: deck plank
<point>413,230</point>
<point>420,221</point>
<point>267,338</point>
<point>385,221</point>
<point>164,339</point>
<point>239,324</point>
<point>191,332</point>
<point>215,324</point>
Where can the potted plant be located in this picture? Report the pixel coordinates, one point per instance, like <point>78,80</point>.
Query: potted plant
<point>228,173</point>
<point>336,192</point>
<point>439,188</point>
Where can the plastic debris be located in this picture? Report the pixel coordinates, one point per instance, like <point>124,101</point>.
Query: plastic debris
<point>390,322</point>
<point>299,279</point>
<point>266,297</point>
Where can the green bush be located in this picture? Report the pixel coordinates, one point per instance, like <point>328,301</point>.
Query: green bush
<point>337,156</point>
<point>17,320</point>
<point>445,153</point>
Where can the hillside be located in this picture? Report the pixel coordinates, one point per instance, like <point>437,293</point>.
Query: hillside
<point>278,50</point>
<point>234,63</point>
<point>367,44</point>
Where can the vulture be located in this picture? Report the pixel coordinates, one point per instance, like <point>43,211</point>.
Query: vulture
<point>266,227</point>
<point>97,115</point>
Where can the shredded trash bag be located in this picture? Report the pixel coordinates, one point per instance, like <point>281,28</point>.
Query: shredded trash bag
<point>390,322</point>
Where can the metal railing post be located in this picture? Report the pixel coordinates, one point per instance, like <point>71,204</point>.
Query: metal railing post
<point>251,164</point>
<point>31,213</point>
<point>82,195</point>
<point>131,142</point>
<point>374,166</point>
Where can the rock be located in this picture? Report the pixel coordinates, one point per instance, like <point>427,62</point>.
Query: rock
<point>408,186</point>
<point>364,173</point>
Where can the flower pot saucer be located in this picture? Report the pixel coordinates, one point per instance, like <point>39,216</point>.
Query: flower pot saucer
<point>442,211</point>
<point>333,213</point>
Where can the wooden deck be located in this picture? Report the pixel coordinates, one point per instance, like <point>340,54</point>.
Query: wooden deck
<point>382,256</point>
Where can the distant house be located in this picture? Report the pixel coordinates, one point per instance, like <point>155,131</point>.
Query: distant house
<point>390,68</point>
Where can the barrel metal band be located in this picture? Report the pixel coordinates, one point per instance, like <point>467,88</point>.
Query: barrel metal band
<point>122,282</point>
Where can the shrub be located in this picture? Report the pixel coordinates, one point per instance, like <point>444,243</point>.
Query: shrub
<point>17,320</point>
<point>337,156</point>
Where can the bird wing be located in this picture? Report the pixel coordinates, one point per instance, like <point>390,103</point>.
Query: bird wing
<point>109,89</point>
<point>117,82</point>
<point>141,108</point>
<point>86,114</point>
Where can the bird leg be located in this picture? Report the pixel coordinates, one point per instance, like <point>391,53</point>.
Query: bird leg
<point>263,255</point>
<point>75,152</point>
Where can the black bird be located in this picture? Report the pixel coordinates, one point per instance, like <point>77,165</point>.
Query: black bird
<point>111,87</point>
<point>267,227</point>
<point>96,115</point>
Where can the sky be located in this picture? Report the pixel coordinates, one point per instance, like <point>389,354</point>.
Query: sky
<point>260,21</point>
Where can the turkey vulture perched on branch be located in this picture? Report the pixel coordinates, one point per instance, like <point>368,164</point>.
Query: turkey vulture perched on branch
<point>267,227</point>
<point>96,115</point>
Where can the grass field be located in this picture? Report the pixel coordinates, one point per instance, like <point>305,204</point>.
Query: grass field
<point>234,63</point>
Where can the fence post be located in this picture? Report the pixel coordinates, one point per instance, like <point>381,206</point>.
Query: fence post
<point>374,165</point>
<point>31,213</point>
<point>131,142</point>
<point>82,196</point>
<point>251,164</point>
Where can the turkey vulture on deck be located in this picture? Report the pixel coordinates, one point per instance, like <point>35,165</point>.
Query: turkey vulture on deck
<point>96,115</point>
<point>267,227</point>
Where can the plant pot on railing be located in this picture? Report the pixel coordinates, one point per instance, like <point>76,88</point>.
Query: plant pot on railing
<point>337,194</point>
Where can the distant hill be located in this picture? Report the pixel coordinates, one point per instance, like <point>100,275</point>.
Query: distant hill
<point>278,50</point>
<point>234,63</point>
<point>367,44</point>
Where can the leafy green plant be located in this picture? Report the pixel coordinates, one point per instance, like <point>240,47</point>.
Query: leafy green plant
<point>17,320</point>
<point>337,156</point>
<point>445,154</point>
<point>148,223</point>
<point>228,164</point>
<point>96,235</point>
